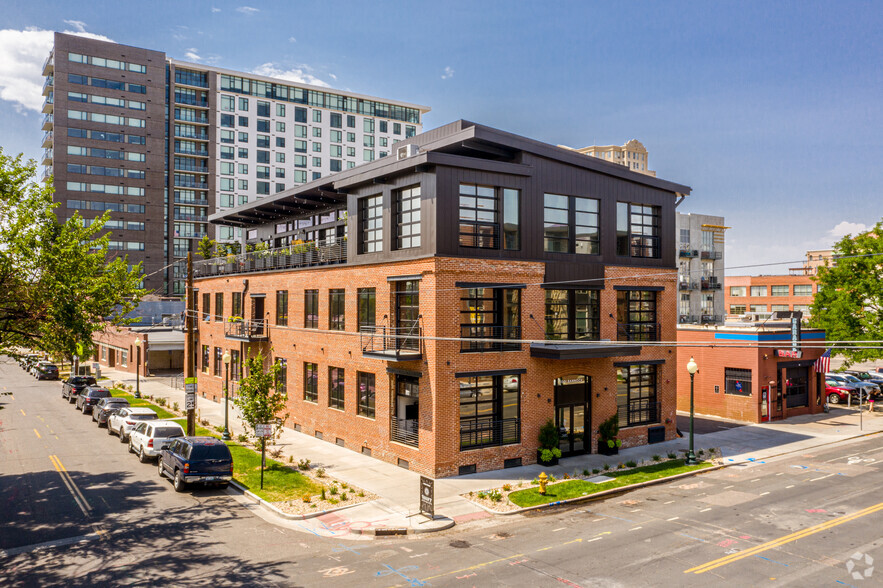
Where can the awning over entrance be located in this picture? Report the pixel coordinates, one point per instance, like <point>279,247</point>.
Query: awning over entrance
<point>587,350</point>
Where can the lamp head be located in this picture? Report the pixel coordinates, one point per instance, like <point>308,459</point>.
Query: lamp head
<point>692,368</point>
<point>226,358</point>
<point>137,342</point>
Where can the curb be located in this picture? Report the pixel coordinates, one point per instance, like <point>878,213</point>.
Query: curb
<point>237,487</point>
<point>388,531</point>
<point>601,494</point>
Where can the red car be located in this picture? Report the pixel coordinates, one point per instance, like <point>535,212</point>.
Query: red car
<point>836,393</point>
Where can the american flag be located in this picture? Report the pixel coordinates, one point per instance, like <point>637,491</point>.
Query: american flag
<point>823,364</point>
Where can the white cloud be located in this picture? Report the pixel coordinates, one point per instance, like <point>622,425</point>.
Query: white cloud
<point>332,76</point>
<point>22,54</point>
<point>292,40</point>
<point>295,74</point>
<point>846,228</point>
<point>192,55</point>
<point>215,9</point>
<point>78,25</point>
<point>249,10</point>
<point>448,73</point>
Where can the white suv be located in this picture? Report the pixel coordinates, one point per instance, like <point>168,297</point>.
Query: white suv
<point>149,438</point>
<point>125,419</point>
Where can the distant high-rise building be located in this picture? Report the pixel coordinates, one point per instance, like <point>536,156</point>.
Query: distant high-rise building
<point>700,268</point>
<point>814,259</point>
<point>163,144</point>
<point>633,155</point>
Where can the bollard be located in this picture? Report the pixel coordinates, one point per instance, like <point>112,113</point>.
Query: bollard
<point>543,480</point>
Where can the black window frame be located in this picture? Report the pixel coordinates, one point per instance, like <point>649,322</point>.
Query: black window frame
<point>311,382</point>
<point>311,309</point>
<point>407,202</point>
<point>476,232</point>
<point>337,309</point>
<point>480,428</point>
<point>367,394</point>
<point>336,388</point>
<point>281,382</point>
<point>218,361</point>
<point>483,316</point>
<point>205,359</point>
<point>635,406</point>
<point>219,307</point>
<point>371,224</point>
<point>566,311</point>
<point>581,237</point>
<point>734,375</point>
<point>638,239</point>
<point>206,307</point>
<point>367,308</point>
<point>282,307</point>
<point>637,317</point>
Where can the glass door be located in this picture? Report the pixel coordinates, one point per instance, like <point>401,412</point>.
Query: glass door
<point>407,327</point>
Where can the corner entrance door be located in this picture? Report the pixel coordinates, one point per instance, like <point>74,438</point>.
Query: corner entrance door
<point>572,394</point>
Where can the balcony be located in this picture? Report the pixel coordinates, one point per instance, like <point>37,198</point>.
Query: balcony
<point>711,254</point>
<point>47,157</point>
<point>391,343</point>
<point>247,330</point>
<point>184,183</point>
<point>712,318</point>
<point>49,104</point>
<point>474,435</point>
<point>47,173</point>
<point>192,201</point>
<point>685,251</point>
<point>637,331</point>
<point>640,411</point>
<point>49,64</point>
<point>688,319</point>
<point>48,138</point>
<point>190,100</point>
<point>687,285</point>
<point>199,120</point>
<point>311,254</point>
<point>191,235</point>
<point>48,85</point>
<point>187,167</point>
<point>192,136</point>
<point>710,284</point>
<point>48,122</point>
<point>489,338</point>
<point>197,218</point>
<point>404,431</point>
<point>191,152</point>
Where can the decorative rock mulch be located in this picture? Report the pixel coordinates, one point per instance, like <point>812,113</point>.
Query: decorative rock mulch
<point>353,495</point>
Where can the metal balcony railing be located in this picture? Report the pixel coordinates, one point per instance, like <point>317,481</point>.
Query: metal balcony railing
<point>404,431</point>
<point>198,218</point>
<point>190,135</point>
<point>49,64</point>
<point>194,201</point>
<point>48,138</point>
<point>485,332</point>
<point>687,318</point>
<point>710,254</point>
<point>488,433</point>
<point>189,167</point>
<point>710,284</point>
<point>48,84</point>
<point>712,318</point>
<point>400,343</point>
<point>685,251</point>
<point>190,100</point>
<point>48,121</point>
<point>195,152</point>
<point>243,330</point>
<point>200,120</point>
<point>687,285</point>
<point>637,331</point>
<point>308,254</point>
<point>640,411</point>
<point>183,183</point>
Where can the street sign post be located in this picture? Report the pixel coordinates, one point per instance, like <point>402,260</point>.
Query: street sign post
<point>263,430</point>
<point>189,393</point>
<point>427,497</point>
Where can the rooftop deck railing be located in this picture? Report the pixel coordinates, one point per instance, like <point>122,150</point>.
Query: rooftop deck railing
<point>313,253</point>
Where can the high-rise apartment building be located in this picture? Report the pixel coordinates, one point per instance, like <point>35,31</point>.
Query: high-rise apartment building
<point>700,268</point>
<point>163,144</point>
<point>633,155</point>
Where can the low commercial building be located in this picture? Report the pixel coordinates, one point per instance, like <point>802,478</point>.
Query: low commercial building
<point>751,372</point>
<point>435,308</point>
<point>764,295</point>
<point>162,349</point>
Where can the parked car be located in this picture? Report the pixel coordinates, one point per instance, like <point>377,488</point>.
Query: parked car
<point>866,376</point>
<point>124,420</point>
<point>74,385</point>
<point>838,393</point>
<point>29,360</point>
<point>876,370</point>
<point>190,460</point>
<point>870,390</point>
<point>90,396</point>
<point>149,438</point>
<point>104,408</point>
<point>46,370</point>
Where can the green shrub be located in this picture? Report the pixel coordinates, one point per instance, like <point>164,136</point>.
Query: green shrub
<point>548,437</point>
<point>657,458</point>
<point>552,479</point>
<point>631,463</point>
<point>585,472</point>
<point>343,496</point>
<point>507,487</point>
<point>333,491</point>
<point>362,494</point>
<point>606,466</point>
<point>323,492</point>
<point>482,494</point>
<point>672,455</point>
<point>303,465</point>
<point>547,455</point>
<point>621,466</point>
<point>596,471</point>
<point>242,437</point>
<point>320,473</point>
<point>495,495</point>
<point>175,406</point>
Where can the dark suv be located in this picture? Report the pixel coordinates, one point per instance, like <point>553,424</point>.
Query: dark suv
<point>89,397</point>
<point>105,406</point>
<point>46,371</point>
<point>74,385</point>
<point>204,460</point>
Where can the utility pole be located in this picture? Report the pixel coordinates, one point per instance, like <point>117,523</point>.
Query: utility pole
<point>189,351</point>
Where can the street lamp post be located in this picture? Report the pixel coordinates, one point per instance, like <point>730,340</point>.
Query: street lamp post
<point>692,368</point>
<point>137,368</point>
<point>226,359</point>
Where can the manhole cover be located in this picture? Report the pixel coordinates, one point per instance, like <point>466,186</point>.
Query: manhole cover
<point>460,544</point>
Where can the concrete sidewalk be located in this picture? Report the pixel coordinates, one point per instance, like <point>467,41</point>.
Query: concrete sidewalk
<point>398,489</point>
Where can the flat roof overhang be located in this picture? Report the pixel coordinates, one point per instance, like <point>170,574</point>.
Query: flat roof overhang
<point>591,350</point>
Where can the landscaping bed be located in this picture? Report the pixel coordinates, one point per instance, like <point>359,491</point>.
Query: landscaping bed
<point>524,494</point>
<point>295,488</point>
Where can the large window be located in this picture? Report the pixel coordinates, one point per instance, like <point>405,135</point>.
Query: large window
<point>367,308</point>
<point>371,224</point>
<point>311,382</point>
<point>219,361</point>
<point>490,409</point>
<point>236,306</point>
<point>737,290</point>
<point>737,381</point>
<point>206,306</point>
<point>479,223</point>
<point>366,394</point>
<point>488,318</point>
<point>219,307</point>
<point>235,365</point>
<point>311,309</point>
<point>636,315</point>
<point>282,307</point>
<point>573,315</point>
<point>336,388</point>
<point>511,219</point>
<point>337,309</point>
<point>801,290</point>
<point>758,290</point>
<point>407,210</point>
<point>282,377</point>
<point>636,395</point>
<point>779,290</point>
<point>637,230</point>
<point>737,309</point>
<point>571,224</point>
<point>205,359</point>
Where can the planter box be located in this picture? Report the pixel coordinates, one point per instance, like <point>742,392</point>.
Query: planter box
<point>603,449</point>
<point>553,462</point>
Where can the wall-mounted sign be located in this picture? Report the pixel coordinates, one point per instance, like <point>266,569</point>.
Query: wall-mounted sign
<point>789,353</point>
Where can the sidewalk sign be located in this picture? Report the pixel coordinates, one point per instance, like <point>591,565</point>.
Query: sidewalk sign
<point>427,497</point>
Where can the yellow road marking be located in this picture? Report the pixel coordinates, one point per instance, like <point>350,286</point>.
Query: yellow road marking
<point>41,418</point>
<point>783,540</point>
<point>71,485</point>
<point>22,412</point>
<point>475,567</point>
<point>37,433</point>
<point>545,548</point>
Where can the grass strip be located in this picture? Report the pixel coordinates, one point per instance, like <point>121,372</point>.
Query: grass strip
<point>280,481</point>
<point>577,488</point>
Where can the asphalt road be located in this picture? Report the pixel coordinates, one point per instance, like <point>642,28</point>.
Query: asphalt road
<point>77,509</point>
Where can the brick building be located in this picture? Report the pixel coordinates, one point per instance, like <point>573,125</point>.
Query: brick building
<point>768,294</point>
<point>750,372</point>
<point>162,349</point>
<point>435,308</point>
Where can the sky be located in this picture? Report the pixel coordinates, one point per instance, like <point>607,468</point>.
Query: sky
<point>770,111</point>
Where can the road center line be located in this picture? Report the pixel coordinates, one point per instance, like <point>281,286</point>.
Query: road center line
<point>37,433</point>
<point>783,540</point>
<point>22,412</point>
<point>71,485</point>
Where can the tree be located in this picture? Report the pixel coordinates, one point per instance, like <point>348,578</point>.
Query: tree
<point>849,303</point>
<point>206,247</point>
<point>259,399</point>
<point>57,286</point>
